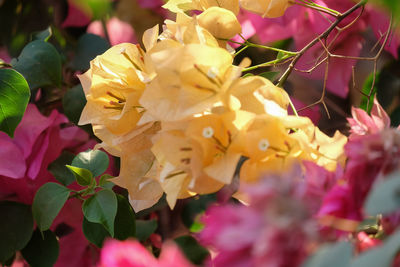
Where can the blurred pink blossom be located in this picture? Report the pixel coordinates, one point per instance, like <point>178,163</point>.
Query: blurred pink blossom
<point>274,230</point>
<point>131,253</point>
<point>76,17</point>
<point>118,30</point>
<point>303,25</point>
<point>155,6</point>
<point>4,55</point>
<point>373,151</point>
<point>38,141</point>
<point>364,242</point>
<point>312,112</point>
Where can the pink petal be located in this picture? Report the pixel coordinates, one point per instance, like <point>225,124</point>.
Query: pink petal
<point>118,30</point>
<point>12,163</point>
<point>76,17</point>
<point>129,253</point>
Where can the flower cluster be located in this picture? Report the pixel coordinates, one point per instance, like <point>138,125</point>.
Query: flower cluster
<point>373,151</point>
<point>277,228</point>
<point>37,142</point>
<point>180,115</point>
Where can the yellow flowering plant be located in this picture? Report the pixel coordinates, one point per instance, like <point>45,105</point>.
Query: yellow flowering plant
<point>180,116</point>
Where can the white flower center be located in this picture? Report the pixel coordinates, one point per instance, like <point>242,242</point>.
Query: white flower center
<point>263,145</point>
<point>212,72</point>
<point>208,132</point>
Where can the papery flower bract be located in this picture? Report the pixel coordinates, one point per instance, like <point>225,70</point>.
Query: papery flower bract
<point>266,8</point>
<point>190,79</point>
<point>267,144</point>
<point>131,253</point>
<point>362,123</point>
<point>137,173</point>
<point>221,23</point>
<point>113,86</point>
<point>179,6</point>
<point>259,96</point>
<point>275,229</point>
<point>38,141</point>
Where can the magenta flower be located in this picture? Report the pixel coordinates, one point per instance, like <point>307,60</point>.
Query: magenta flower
<point>76,17</point>
<point>39,140</point>
<point>373,151</point>
<point>275,229</point>
<point>131,253</point>
<point>304,24</point>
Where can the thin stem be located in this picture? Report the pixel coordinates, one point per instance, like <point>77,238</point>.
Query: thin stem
<point>323,35</point>
<point>250,44</point>
<point>317,7</point>
<point>104,25</point>
<point>267,64</point>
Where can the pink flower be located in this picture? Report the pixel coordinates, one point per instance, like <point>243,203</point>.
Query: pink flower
<point>362,123</point>
<point>155,6</point>
<point>373,151</point>
<point>118,30</point>
<point>4,55</point>
<point>364,242</point>
<point>76,17</point>
<point>38,141</point>
<point>274,230</point>
<point>313,112</point>
<point>131,253</point>
<point>304,24</point>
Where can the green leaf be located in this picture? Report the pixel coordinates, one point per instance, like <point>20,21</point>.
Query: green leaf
<point>382,256</point>
<point>101,208</point>
<point>125,226</point>
<point>334,255</point>
<point>194,208</point>
<point>145,228</point>
<point>42,250</point>
<point>365,105</point>
<point>43,35</point>
<point>270,75</point>
<point>74,101</point>
<point>83,177</point>
<point>192,249</point>
<point>281,55</point>
<point>99,8</point>
<point>40,64</point>
<point>104,179</point>
<point>60,171</point>
<point>14,97</point>
<point>95,161</point>
<point>48,201</point>
<point>247,75</point>
<point>89,46</point>
<point>16,227</point>
<point>94,232</point>
<point>384,197</point>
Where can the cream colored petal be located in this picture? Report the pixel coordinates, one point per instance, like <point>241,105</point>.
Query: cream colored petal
<point>223,169</point>
<point>150,37</point>
<point>86,81</point>
<point>220,22</point>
